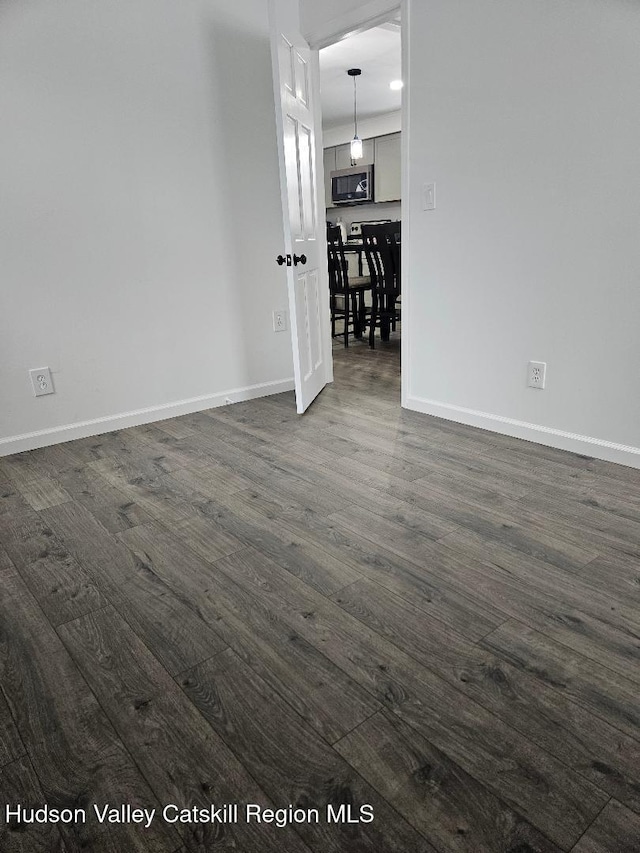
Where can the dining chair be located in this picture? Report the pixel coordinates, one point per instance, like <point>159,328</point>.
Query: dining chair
<point>344,288</point>
<point>382,251</point>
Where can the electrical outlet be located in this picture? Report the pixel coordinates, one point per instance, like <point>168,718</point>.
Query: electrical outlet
<point>537,374</point>
<point>279,321</point>
<point>41,381</point>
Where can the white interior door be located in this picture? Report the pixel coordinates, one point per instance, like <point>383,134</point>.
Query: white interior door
<point>303,257</point>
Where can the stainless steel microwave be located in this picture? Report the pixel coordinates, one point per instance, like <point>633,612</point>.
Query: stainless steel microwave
<point>350,186</point>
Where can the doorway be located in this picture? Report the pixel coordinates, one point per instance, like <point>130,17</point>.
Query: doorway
<point>365,345</point>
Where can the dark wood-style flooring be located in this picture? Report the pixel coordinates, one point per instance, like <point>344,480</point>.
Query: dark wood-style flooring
<point>362,605</point>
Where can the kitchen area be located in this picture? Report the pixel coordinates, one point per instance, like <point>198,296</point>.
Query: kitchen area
<point>381,170</point>
<point>361,111</point>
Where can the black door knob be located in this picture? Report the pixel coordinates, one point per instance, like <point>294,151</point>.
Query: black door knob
<point>280,260</point>
<point>299,259</point>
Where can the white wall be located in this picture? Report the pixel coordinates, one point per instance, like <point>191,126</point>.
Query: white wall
<point>527,117</point>
<point>140,213</point>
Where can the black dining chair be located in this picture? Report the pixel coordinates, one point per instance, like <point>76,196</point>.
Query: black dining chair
<point>346,292</point>
<point>382,251</point>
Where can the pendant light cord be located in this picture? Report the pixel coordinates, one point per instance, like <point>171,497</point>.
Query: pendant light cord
<point>355,110</point>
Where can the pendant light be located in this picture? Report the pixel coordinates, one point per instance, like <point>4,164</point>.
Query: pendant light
<point>356,142</point>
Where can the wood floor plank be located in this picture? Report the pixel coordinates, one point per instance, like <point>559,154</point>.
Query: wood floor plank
<point>560,803</point>
<point>533,542</point>
<point>63,588</point>
<point>614,576</point>
<point>581,740</point>
<point>321,693</point>
<point>77,754</point>
<point>306,480</point>
<point>190,451</point>
<point>366,500</point>
<point>210,480</point>
<point>285,494</point>
<point>174,427</point>
<point>468,572</point>
<point>604,528</point>
<point>611,479</point>
<point>172,629</point>
<point>147,490</point>
<point>575,589</point>
<point>11,746</point>
<point>24,535</point>
<point>560,605</point>
<point>172,559</point>
<point>289,760</point>
<point>182,758</point>
<point>403,441</point>
<point>605,693</point>
<point>43,492</point>
<point>255,425</point>
<point>300,557</point>
<point>20,785</point>
<point>22,468</point>
<point>403,577</point>
<point>202,536</point>
<point>627,507</point>
<point>449,807</point>
<point>125,446</point>
<point>615,830</point>
<point>272,452</point>
<point>110,506</point>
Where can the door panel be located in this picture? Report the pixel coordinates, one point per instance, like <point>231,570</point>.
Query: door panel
<point>297,88</point>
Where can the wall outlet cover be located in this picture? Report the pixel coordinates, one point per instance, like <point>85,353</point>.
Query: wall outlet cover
<point>537,374</point>
<point>41,381</point>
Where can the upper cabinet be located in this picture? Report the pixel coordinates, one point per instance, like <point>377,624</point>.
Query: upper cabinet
<point>387,176</point>
<point>343,154</point>
<point>383,152</point>
<point>329,166</point>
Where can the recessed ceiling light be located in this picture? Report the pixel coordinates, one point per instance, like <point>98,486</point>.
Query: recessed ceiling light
<point>396,84</point>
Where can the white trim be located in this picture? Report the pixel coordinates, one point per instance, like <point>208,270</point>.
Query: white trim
<point>405,143</point>
<point>599,448</point>
<point>82,429</point>
<point>349,23</point>
<point>321,215</point>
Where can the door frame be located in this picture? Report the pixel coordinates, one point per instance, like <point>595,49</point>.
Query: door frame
<point>369,15</point>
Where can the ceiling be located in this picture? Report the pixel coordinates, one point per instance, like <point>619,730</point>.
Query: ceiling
<point>377,53</point>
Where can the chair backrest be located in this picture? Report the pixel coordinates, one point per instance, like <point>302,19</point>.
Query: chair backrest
<point>338,275</point>
<point>381,248</point>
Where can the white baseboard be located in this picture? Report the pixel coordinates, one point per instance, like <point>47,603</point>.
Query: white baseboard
<point>82,429</point>
<point>583,444</point>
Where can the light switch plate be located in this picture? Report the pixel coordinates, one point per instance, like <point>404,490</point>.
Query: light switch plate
<point>429,197</point>
<point>279,321</point>
<point>41,381</point>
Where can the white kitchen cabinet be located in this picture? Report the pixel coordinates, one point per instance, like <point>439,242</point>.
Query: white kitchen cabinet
<point>329,166</point>
<point>343,154</point>
<point>383,152</point>
<point>387,175</point>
